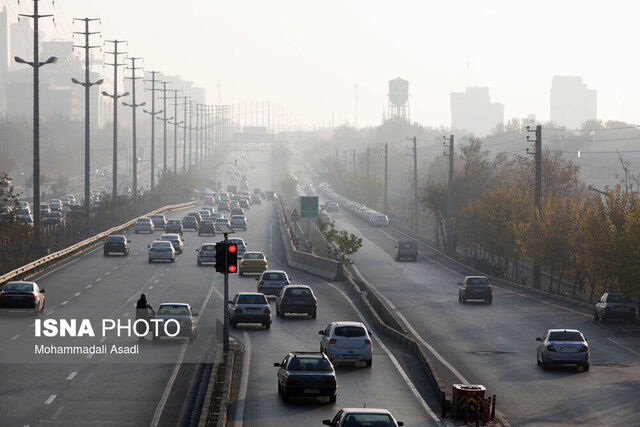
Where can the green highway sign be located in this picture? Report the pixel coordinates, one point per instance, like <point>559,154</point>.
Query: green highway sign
<point>308,206</point>
<point>210,182</point>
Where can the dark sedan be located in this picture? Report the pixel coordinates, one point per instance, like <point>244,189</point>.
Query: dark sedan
<point>306,374</point>
<point>614,306</point>
<point>116,243</point>
<point>190,223</point>
<point>296,299</point>
<point>475,287</point>
<point>22,295</point>
<point>207,227</point>
<point>174,226</point>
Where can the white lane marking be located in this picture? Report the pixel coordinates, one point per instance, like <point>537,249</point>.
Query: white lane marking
<point>50,399</point>
<point>161,274</point>
<point>115,268</point>
<point>242,393</point>
<point>176,368</point>
<point>126,314</point>
<point>49,312</point>
<point>150,287</point>
<point>156,281</point>
<point>15,337</point>
<point>88,286</point>
<point>86,380</point>
<point>64,303</point>
<point>98,279</point>
<point>401,371</point>
<point>72,375</point>
<point>103,339</point>
<point>77,294</point>
<point>623,346</point>
<point>89,356</point>
<point>65,264</point>
<point>57,413</point>
<point>107,273</point>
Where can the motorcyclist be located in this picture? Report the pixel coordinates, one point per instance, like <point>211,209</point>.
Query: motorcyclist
<point>142,311</point>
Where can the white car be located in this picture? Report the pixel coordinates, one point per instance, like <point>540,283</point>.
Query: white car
<point>363,417</point>
<point>241,245</point>
<point>222,221</point>
<point>159,221</point>
<point>183,314</point>
<point>144,225</point>
<point>162,250</point>
<point>176,241</point>
<point>380,220</point>
<point>239,221</point>
<point>346,341</point>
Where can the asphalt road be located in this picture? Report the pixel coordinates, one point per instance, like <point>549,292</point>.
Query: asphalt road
<point>495,345</point>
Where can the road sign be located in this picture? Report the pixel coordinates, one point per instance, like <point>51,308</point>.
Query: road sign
<point>308,206</point>
<point>295,216</point>
<point>211,182</point>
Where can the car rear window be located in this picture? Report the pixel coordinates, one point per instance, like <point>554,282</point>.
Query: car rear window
<point>189,219</point>
<point>618,298</point>
<point>175,310</point>
<point>309,364</point>
<point>174,222</point>
<point>208,248</point>
<point>18,287</point>
<point>253,255</point>
<point>349,331</point>
<point>252,299</point>
<point>160,244</point>
<point>273,276</point>
<point>237,241</point>
<point>478,282</point>
<point>144,219</point>
<point>407,244</point>
<point>377,420</point>
<point>565,336</point>
<point>298,292</point>
<point>111,239</point>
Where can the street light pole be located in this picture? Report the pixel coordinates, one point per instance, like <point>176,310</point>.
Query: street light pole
<point>134,106</point>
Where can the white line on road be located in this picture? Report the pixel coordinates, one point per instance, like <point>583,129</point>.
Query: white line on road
<point>107,273</point>
<point>150,287</point>
<point>242,393</point>
<point>57,413</point>
<point>77,294</point>
<point>115,268</point>
<point>64,303</point>
<point>98,279</point>
<point>103,339</point>
<point>623,346</point>
<point>49,312</point>
<point>126,314</point>
<point>86,380</point>
<point>156,281</point>
<point>72,375</point>
<point>13,338</point>
<point>50,399</point>
<point>161,274</point>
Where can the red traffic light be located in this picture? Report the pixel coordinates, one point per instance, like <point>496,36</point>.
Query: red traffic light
<point>232,248</point>
<point>232,268</point>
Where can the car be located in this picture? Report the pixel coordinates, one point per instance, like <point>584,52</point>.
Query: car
<point>116,243</point>
<point>222,221</point>
<point>324,217</point>
<point>256,199</point>
<point>159,221</point>
<point>563,347</point>
<point>222,206</point>
<point>190,223</point>
<point>208,201</point>
<point>347,341</point>
<point>55,205</point>
<point>252,263</point>
<point>237,211</point>
<point>204,214</point>
<point>209,209</point>
<point>248,307</point>
<point>44,209</point>
<point>206,253</point>
<point>475,287</point>
<point>234,204</point>
<point>244,203</point>
<point>614,306</point>
<point>22,295</point>
<point>296,299</point>
<point>331,207</point>
<point>306,374</point>
<point>380,220</point>
<point>240,244</point>
<point>161,250</point>
<point>24,204</point>
<point>361,417</point>
<point>144,225</point>
<point>174,226</point>
<point>238,222</point>
<point>407,249</point>
<point>71,198</point>
<point>196,215</point>
<point>214,216</point>
<point>53,218</point>
<point>271,282</point>
<point>271,195</point>
<point>180,312</point>
<point>207,227</point>
<point>176,241</point>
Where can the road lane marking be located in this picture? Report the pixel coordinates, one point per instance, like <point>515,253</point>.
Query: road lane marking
<point>72,375</point>
<point>50,399</point>
<point>65,264</point>
<point>86,380</point>
<point>77,294</point>
<point>150,287</point>
<point>107,273</point>
<point>49,312</point>
<point>242,393</point>
<point>126,314</point>
<point>64,303</point>
<point>57,413</point>
<point>15,337</point>
<point>98,279</point>
<point>88,286</point>
<point>103,339</point>
<point>623,346</point>
<point>115,268</point>
<point>161,274</point>
<point>156,281</point>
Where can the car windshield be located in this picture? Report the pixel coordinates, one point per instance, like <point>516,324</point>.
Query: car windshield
<point>273,276</point>
<point>208,248</point>
<point>565,336</point>
<point>158,244</point>
<point>188,219</point>
<point>173,310</point>
<point>112,239</point>
<point>407,245</point>
<point>207,222</point>
<point>309,364</point>
<point>237,217</point>
<point>173,222</point>
<point>170,237</point>
<point>478,281</point>
<point>144,219</point>
<point>252,299</point>
<point>350,331</point>
<point>619,298</point>
<point>298,292</point>
<point>377,420</point>
<point>18,287</point>
<point>237,242</point>
<point>253,255</point>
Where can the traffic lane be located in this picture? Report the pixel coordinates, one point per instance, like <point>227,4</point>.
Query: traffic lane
<point>383,384</point>
<point>495,345</point>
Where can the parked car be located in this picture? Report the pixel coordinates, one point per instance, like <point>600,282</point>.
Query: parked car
<point>614,306</point>
<point>190,223</point>
<point>355,417</point>
<point>296,299</point>
<point>22,295</point>
<point>563,347</point>
<point>176,241</point>
<point>207,227</point>
<point>306,374</point>
<point>475,287</point>
<point>116,243</point>
<point>247,307</point>
<point>206,253</point>
<point>159,221</point>
<point>161,250</point>
<point>407,249</point>
<point>174,226</point>
<point>144,225</point>
<point>252,263</point>
<point>347,341</point>
<point>183,314</point>
<point>271,282</point>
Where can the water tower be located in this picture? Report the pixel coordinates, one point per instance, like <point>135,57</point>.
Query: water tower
<point>399,99</point>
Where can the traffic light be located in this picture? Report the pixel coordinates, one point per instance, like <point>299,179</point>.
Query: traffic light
<point>220,260</point>
<point>232,258</point>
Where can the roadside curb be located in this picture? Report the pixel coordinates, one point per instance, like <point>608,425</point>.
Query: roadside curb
<point>215,409</point>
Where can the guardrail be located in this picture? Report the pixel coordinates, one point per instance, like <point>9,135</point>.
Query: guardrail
<point>59,255</point>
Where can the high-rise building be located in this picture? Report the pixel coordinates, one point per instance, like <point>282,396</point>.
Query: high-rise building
<point>473,111</point>
<point>4,57</point>
<point>572,102</point>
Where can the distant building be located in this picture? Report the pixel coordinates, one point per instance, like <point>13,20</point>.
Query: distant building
<point>572,102</point>
<point>473,111</point>
<point>4,57</point>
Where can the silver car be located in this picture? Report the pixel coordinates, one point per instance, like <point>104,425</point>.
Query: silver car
<point>144,225</point>
<point>239,221</point>
<point>159,221</point>
<point>176,241</point>
<point>206,253</point>
<point>161,250</point>
<point>248,307</point>
<point>183,314</point>
<point>563,347</point>
<point>240,244</point>
<point>271,282</point>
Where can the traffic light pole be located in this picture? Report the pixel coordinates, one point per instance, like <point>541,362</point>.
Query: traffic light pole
<point>225,328</point>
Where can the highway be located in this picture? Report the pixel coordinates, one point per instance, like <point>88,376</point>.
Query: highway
<point>495,345</point>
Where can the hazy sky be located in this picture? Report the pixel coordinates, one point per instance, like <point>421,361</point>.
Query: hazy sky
<point>308,55</point>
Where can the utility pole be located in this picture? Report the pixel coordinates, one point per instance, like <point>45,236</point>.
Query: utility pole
<point>450,246</point>
<point>197,133</point>
<point>153,113</point>
<point>414,154</point>
<point>537,153</point>
<point>353,160</point>
<point>164,124</point>
<point>184,136</point>
<point>134,106</point>
<point>386,176</point>
<point>190,131</point>
<point>87,118</point>
<point>175,129</point>
<point>368,159</point>
<point>115,97</point>
<point>36,64</point>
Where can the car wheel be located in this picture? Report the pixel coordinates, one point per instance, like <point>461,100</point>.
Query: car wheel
<point>199,262</point>
<point>267,325</point>
<point>545,365</point>
<point>459,298</point>
<point>150,260</point>
<point>585,367</point>
<point>105,253</point>
<point>464,300</point>
<point>285,396</point>
<point>279,388</point>
<point>368,363</point>
<point>595,316</point>
<point>490,300</point>
<point>538,360</point>
<point>313,314</point>
<point>333,398</point>
<point>278,313</point>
